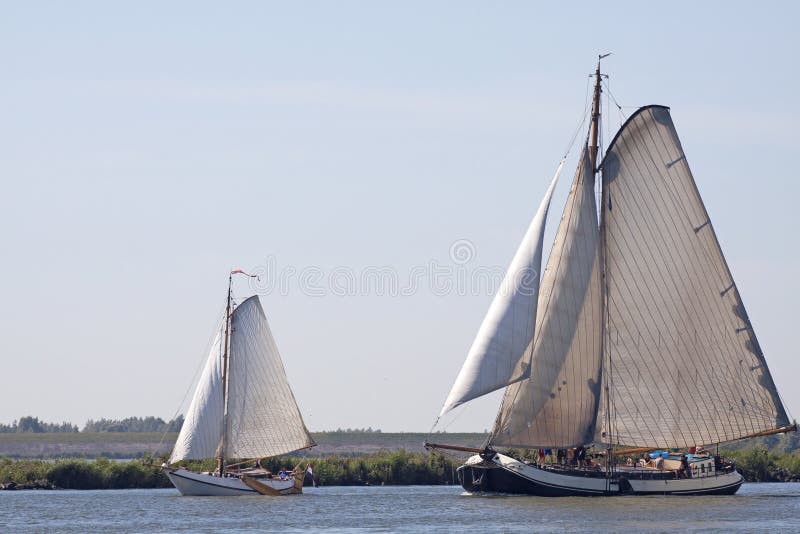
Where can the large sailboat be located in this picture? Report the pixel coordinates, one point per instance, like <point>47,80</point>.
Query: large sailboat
<point>633,342</point>
<point>243,408</point>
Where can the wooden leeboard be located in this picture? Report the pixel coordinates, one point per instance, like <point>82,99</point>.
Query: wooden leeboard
<point>299,478</point>
<point>263,489</point>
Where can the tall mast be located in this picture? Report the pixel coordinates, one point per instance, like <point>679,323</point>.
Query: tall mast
<point>604,366</point>
<point>221,457</point>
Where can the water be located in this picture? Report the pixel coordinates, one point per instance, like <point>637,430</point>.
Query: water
<point>756,508</point>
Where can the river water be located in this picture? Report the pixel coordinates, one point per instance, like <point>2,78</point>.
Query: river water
<point>756,508</point>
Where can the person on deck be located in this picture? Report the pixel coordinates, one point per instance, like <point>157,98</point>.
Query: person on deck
<point>687,471</point>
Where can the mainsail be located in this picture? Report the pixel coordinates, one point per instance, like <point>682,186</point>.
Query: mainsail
<point>682,362</point>
<point>500,354</point>
<point>263,417</point>
<point>556,406</point>
<point>201,434</point>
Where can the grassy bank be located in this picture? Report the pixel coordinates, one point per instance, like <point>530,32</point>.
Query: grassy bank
<point>760,465</point>
<point>389,468</point>
<point>400,468</point>
<point>81,474</point>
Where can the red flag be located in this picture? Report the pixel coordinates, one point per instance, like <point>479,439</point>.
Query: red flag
<point>239,271</point>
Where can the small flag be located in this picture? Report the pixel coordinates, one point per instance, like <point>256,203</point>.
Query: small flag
<point>239,271</point>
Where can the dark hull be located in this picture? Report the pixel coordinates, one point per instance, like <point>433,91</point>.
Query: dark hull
<point>515,478</point>
<point>499,480</point>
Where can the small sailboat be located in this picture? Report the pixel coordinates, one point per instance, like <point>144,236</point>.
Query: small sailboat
<point>243,408</point>
<point>634,340</point>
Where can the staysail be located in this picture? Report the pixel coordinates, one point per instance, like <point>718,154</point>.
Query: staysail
<point>500,354</point>
<point>263,417</point>
<point>682,362</point>
<point>557,405</point>
<point>201,434</point>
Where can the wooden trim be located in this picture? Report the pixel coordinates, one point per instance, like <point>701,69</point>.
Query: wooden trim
<point>781,430</point>
<point>263,489</point>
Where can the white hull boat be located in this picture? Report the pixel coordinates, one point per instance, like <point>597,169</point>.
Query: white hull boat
<point>242,409</point>
<point>207,484</point>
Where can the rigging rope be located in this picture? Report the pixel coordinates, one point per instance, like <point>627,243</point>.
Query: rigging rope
<point>607,85</point>
<point>586,107</point>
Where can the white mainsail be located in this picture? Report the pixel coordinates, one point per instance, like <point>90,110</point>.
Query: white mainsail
<point>263,417</point>
<point>500,354</point>
<point>201,434</point>
<point>683,364</point>
<point>557,405</point>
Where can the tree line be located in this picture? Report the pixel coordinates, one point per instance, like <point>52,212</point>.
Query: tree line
<point>30,424</point>
<point>129,424</point>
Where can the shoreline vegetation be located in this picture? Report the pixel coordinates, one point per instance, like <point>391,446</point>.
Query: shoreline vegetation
<point>398,468</point>
<point>38,455</point>
<point>385,468</point>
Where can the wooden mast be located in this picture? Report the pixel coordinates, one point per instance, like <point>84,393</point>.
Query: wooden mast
<point>221,457</point>
<point>595,131</point>
<point>593,151</point>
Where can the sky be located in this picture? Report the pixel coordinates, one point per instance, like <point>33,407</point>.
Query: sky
<point>147,148</point>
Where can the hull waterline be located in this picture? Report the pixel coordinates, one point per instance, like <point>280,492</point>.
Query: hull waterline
<point>502,474</point>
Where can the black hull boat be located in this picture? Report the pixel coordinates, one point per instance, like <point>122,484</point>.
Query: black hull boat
<point>634,339</point>
<point>503,474</point>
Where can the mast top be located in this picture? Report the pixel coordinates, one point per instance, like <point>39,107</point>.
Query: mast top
<point>595,128</point>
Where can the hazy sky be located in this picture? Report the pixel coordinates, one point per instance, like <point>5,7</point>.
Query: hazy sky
<point>146,148</point>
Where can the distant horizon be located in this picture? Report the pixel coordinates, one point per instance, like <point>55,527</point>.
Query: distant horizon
<point>367,430</point>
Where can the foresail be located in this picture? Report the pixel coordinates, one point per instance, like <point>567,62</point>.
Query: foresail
<point>556,406</point>
<point>682,361</point>
<point>500,354</point>
<point>201,433</point>
<point>263,417</point>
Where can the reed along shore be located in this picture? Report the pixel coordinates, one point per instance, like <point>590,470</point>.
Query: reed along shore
<point>384,468</point>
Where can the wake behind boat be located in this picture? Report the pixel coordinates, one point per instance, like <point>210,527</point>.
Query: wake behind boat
<point>634,340</point>
<point>242,408</point>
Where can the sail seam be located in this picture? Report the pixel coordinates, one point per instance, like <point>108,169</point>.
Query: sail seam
<point>672,337</point>
<point>649,265</point>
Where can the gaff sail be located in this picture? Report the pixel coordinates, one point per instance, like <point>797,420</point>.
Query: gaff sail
<point>683,364</point>
<point>263,418</point>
